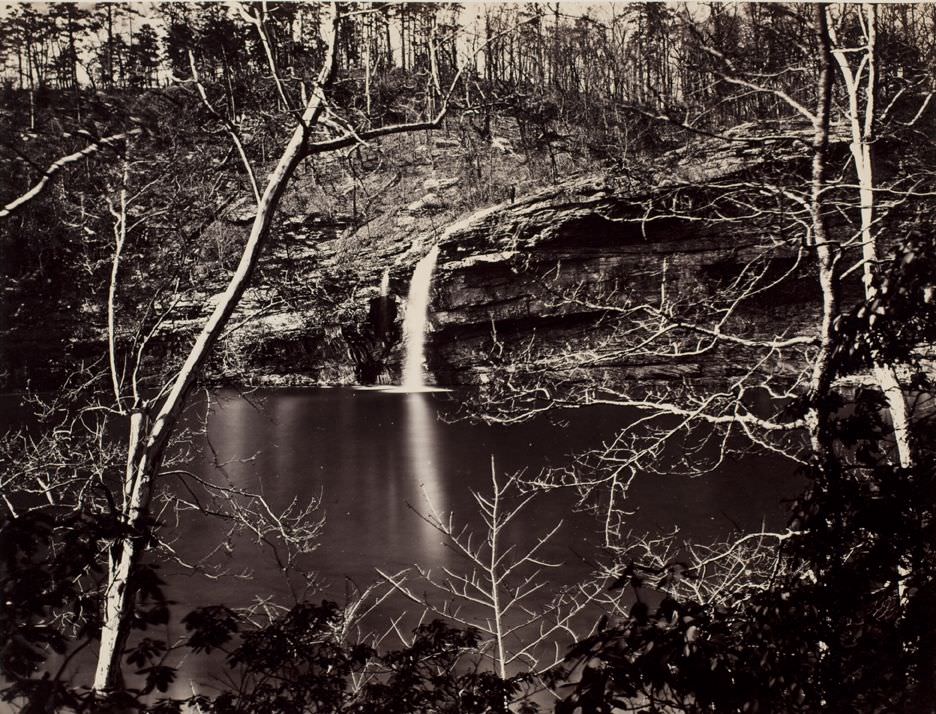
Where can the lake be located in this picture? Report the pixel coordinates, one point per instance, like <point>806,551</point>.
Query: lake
<point>377,459</point>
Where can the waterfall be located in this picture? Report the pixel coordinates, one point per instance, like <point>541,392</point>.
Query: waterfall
<point>415,322</point>
<point>417,306</point>
<point>383,306</point>
<point>385,283</point>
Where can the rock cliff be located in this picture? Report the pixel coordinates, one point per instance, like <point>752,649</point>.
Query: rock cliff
<point>526,275</point>
<point>533,276</point>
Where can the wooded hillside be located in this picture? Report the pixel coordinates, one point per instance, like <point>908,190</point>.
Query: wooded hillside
<point>717,217</point>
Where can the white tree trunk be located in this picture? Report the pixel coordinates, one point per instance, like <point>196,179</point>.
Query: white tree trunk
<point>885,375</point>
<point>144,466</point>
<point>861,123</point>
<point>827,252</point>
<point>121,561</point>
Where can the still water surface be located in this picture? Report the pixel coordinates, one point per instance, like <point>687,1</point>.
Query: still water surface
<point>376,459</point>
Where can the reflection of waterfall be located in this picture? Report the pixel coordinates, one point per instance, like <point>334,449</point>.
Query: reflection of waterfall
<point>422,440</point>
<point>415,321</point>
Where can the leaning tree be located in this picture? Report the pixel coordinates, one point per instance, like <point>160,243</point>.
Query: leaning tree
<point>86,499</point>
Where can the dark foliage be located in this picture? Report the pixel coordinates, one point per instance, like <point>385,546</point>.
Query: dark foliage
<point>299,663</point>
<point>830,638</point>
<point>837,634</point>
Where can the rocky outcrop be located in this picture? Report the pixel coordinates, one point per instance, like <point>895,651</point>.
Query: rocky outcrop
<point>527,276</point>
<point>504,279</point>
<point>313,316</point>
<point>532,277</point>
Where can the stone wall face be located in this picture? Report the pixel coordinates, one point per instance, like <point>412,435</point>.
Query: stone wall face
<point>535,277</point>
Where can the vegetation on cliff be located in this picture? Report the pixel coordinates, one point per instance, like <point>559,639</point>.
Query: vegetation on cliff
<point>185,184</point>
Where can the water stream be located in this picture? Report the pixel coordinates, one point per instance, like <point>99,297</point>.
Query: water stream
<point>415,322</point>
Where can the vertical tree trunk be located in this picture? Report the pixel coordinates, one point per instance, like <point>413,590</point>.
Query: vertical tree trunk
<point>818,416</point>
<point>73,63</point>
<point>555,47</point>
<point>32,92</point>
<point>387,43</point>
<point>403,37</point>
<point>862,141</point>
<point>109,52</point>
<point>367,63</point>
<point>122,560</point>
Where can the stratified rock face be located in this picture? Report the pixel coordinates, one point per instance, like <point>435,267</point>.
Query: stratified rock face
<point>534,277</point>
<point>522,279</point>
<point>309,319</point>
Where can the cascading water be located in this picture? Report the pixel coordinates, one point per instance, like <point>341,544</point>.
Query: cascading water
<point>417,307</point>
<point>385,283</point>
<point>415,322</point>
<point>383,305</point>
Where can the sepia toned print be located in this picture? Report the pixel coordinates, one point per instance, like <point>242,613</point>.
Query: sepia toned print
<point>467,357</point>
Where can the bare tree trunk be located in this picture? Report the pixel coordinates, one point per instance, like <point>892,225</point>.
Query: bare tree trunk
<point>32,88</point>
<point>862,139</point>
<point>144,462</point>
<point>367,63</point>
<point>109,54</point>
<point>823,370</point>
<point>861,121</point>
<point>122,559</point>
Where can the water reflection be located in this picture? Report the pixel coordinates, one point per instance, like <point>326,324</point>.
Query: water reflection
<point>423,441</point>
<point>375,458</point>
<point>369,454</point>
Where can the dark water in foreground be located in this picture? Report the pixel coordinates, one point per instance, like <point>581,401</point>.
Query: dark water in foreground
<point>376,458</point>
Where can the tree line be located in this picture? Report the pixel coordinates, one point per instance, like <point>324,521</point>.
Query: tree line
<point>582,63</point>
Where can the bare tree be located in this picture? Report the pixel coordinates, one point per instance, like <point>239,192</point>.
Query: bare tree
<point>152,421</point>
<point>858,68</point>
<point>504,593</point>
<point>802,231</point>
<point>837,227</point>
<point>316,126</point>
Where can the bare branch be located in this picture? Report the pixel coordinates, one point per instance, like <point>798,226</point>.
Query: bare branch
<point>58,165</point>
<point>229,125</point>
